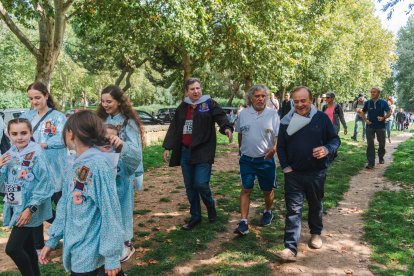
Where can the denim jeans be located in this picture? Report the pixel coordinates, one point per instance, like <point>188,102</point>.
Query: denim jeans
<point>299,185</point>
<point>197,183</point>
<point>359,119</point>
<point>388,127</point>
<point>380,133</point>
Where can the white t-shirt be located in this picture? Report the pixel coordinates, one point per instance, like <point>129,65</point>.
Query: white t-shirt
<point>259,131</point>
<point>272,104</point>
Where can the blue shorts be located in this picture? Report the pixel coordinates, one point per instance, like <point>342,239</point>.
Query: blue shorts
<point>264,170</point>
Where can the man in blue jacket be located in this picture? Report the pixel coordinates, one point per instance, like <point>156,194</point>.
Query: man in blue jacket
<point>374,113</point>
<point>307,140</point>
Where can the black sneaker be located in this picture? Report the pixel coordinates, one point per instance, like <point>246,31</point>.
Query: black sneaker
<point>190,225</point>
<point>242,228</point>
<point>354,138</point>
<point>369,167</point>
<point>267,218</point>
<point>381,161</point>
<point>212,213</point>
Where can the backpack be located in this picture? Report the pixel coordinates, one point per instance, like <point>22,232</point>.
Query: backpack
<point>5,143</point>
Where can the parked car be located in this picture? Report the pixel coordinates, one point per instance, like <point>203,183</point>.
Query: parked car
<point>166,114</point>
<point>12,113</point>
<point>231,113</point>
<point>148,119</point>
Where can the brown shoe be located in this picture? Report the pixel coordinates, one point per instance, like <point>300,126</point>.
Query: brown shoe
<point>315,241</point>
<point>286,255</point>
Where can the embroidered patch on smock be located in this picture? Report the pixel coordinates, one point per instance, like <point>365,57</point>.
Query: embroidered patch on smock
<point>203,107</point>
<point>83,173</point>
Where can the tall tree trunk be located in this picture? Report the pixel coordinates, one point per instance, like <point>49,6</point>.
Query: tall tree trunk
<point>187,66</point>
<point>128,79</point>
<point>247,83</point>
<point>234,88</point>
<point>51,33</point>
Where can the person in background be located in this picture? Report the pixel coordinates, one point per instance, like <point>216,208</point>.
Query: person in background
<point>192,139</point>
<point>389,122</point>
<point>286,105</point>
<point>335,113</point>
<point>374,113</point>
<point>358,105</point>
<point>401,117</point>
<point>272,102</point>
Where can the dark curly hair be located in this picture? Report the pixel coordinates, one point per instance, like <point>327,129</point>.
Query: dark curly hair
<point>88,127</point>
<point>125,107</point>
<point>39,86</point>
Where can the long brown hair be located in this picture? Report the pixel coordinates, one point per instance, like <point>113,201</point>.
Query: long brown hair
<point>88,127</point>
<point>125,107</point>
<point>39,86</point>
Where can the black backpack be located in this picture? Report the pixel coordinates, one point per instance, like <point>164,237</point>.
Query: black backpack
<point>5,143</point>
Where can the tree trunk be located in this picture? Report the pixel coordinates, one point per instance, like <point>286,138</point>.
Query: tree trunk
<point>51,33</point>
<point>234,88</point>
<point>247,83</point>
<point>128,79</point>
<point>187,66</point>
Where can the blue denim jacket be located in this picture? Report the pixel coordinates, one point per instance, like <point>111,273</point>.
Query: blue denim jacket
<point>36,186</point>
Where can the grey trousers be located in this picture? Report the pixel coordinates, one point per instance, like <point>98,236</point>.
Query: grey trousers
<point>380,133</point>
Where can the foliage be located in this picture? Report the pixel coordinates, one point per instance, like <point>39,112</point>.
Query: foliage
<point>404,66</point>
<point>12,99</point>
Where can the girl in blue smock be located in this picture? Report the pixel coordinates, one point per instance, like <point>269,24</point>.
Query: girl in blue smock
<point>47,125</point>
<point>116,109</point>
<point>125,171</point>
<point>26,181</point>
<point>88,215</point>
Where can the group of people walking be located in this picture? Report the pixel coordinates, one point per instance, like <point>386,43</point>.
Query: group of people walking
<point>89,164</point>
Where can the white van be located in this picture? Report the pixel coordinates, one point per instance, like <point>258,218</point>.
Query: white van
<point>11,113</point>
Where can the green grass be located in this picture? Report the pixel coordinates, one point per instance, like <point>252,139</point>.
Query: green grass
<point>153,157</point>
<point>402,169</point>
<point>389,221</point>
<point>51,269</point>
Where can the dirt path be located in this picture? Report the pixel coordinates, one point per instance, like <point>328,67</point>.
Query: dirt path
<point>344,251</point>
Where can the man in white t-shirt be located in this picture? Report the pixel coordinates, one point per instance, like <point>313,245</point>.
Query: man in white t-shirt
<point>257,128</point>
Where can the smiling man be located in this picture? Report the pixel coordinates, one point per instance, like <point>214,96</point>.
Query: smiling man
<point>306,142</point>
<point>258,127</point>
<point>192,139</point>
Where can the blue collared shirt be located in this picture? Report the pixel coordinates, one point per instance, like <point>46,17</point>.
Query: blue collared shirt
<point>373,110</point>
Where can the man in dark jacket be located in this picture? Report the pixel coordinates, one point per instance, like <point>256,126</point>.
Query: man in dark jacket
<point>192,139</point>
<point>286,105</point>
<point>306,142</point>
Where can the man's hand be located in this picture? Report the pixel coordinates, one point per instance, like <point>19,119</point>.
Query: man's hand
<point>166,155</point>
<point>269,154</point>
<point>320,152</point>
<point>345,131</point>
<point>380,119</point>
<point>112,272</point>
<point>287,170</point>
<point>368,122</point>
<point>24,218</point>
<point>44,255</point>
<point>229,134</point>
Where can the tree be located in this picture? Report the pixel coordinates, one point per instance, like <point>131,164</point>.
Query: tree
<point>51,18</point>
<point>405,65</point>
<point>390,4</point>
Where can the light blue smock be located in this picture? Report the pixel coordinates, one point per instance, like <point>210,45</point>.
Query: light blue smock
<point>129,167</point>
<point>90,224</point>
<point>36,187</point>
<point>50,131</point>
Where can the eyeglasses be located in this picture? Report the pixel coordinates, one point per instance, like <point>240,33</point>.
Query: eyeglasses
<point>328,97</point>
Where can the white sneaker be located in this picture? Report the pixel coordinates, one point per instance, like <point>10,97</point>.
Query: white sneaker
<point>127,253</point>
<point>315,241</point>
<point>286,255</point>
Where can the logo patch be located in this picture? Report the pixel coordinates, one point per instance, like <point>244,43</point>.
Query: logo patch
<point>83,173</point>
<point>203,107</point>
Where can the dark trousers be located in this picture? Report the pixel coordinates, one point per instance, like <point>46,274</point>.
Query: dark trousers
<point>197,183</point>
<point>97,272</point>
<point>380,133</point>
<point>20,248</point>
<point>299,185</point>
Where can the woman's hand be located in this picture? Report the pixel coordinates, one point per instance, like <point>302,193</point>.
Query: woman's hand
<point>43,145</point>
<point>112,272</point>
<point>116,142</point>
<point>24,218</point>
<point>44,255</point>
<point>5,159</point>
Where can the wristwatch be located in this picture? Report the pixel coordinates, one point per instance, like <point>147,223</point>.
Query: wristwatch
<point>33,209</point>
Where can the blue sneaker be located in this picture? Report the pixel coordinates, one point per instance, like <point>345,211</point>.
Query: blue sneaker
<point>242,228</point>
<point>267,218</point>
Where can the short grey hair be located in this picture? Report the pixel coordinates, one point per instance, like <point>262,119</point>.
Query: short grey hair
<point>253,89</point>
